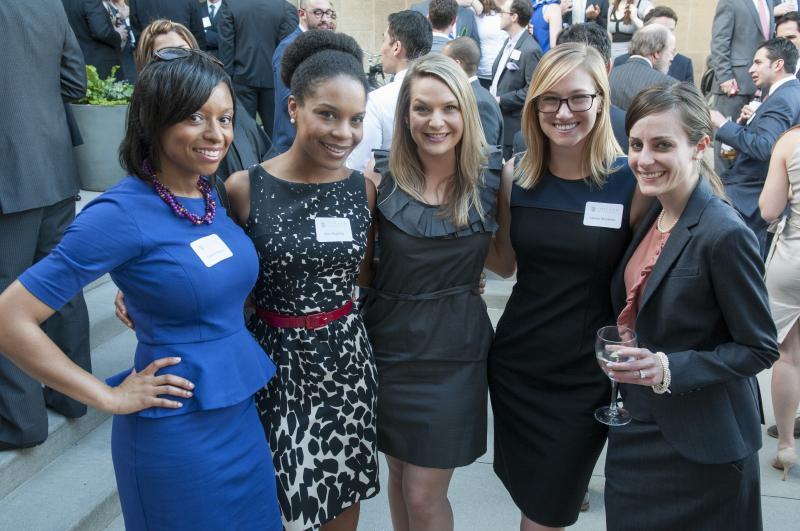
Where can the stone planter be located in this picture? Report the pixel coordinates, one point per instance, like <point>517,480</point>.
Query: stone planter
<point>102,128</point>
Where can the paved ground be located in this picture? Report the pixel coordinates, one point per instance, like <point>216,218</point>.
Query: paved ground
<point>481,503</point>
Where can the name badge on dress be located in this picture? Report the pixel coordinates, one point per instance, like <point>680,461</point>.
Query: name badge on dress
<point>333,230</point>
<point>515,54</point>
<point>608,215</point>
<point>211,250</point>
<point>206,22</point>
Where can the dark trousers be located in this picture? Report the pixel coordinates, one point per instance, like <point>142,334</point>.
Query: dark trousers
<point>258,100</point>
<point>729,106</point>
<point>25,238</point>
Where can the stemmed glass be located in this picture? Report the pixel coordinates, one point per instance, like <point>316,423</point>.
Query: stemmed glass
<point>610,340</point>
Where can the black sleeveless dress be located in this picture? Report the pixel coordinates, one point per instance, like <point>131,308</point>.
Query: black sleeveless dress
<point>319,409</point>
<point>429,327</point>
<point>544,380</point>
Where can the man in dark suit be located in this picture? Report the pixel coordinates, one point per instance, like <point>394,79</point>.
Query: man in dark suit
<point>312,14</point>
<point>208,17</point>
<point>100,42</point>
<point>466,26</point>
<point>739,27</point>
<point>442,16</point>
<point>513,68</point>
<point>37,197</point>
<point>788,27</point>
<point>681,67</point>
<point>584,11</point>
<point>651,52</point>
<point>466,53</point>
<point>186,12</point>
<point>249,32</point>
<point>773,72</point>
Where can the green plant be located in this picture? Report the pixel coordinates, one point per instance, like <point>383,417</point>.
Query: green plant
<point>108,91</point>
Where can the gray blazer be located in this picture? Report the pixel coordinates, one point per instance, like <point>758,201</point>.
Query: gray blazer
<point>735,35</point>
<point>489,111</point>
<point>705,305</point>
<point>630,78</point>
<point>512,88</point>
<point>37,168</point>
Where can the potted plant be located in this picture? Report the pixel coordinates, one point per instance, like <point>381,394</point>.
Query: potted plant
<point>101,118</point>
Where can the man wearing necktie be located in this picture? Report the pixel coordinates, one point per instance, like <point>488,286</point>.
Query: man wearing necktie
<point>208,12</point>
<point>739,27</point>
<point>513,68</point>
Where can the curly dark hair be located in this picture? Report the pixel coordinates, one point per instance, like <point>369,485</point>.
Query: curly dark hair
<point>317,55</point>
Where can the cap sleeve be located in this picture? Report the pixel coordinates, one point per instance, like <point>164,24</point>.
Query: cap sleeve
<point>102,237</point>
<point>423,221</point>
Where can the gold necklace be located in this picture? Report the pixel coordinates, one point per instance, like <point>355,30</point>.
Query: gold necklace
<point>661,219</point>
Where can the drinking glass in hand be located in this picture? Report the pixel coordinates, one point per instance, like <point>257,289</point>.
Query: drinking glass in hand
<point>610,341</point>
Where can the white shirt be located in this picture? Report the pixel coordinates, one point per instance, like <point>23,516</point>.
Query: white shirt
<point>642,57</point>
<point>777,84</point>
<point>492,39</point>
<point>378,122</point>
<point>578,11</point>
<point>512,41</point>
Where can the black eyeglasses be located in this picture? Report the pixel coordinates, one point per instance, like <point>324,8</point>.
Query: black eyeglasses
<point>176,52</point>
<point>319,13</point>
<point>576,103</point>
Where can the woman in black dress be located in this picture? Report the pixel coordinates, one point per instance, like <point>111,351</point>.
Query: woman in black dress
<point>427,322</point>
<point>564,224</point>
<point>691,286</point>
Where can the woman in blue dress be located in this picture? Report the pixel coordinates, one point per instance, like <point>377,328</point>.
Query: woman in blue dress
<point>564,224</point>
<point>546,22</point>
<point>187,445</point>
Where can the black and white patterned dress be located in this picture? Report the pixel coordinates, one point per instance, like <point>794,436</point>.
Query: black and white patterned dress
<point>319,409</point>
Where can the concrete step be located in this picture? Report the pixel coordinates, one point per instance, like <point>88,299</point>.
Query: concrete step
<point>117,525</point>
<point>77,491</point>
<point>112,351</point>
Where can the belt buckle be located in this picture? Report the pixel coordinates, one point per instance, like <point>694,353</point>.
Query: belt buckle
<point>314,321</point>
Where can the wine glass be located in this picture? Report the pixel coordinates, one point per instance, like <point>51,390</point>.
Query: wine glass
<point>610,340</point>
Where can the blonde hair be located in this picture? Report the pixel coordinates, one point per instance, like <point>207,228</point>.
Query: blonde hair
<point>144,44</point>
<point>602,148</point>
<point>404,163</point>
<point>692,110</point>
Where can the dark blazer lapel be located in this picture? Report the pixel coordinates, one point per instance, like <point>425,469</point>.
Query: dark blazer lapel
<point>753,11</point>
<point>524,35</point>
<point>496,64</point>
<point>681,235</point>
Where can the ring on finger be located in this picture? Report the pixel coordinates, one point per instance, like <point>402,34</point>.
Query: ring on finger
<point>642,374</point>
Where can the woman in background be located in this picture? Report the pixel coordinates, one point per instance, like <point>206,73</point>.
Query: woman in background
<point>782,188</point>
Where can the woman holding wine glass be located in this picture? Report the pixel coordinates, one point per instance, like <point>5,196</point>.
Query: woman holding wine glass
<point>565,223</point>
<point>691,286</point>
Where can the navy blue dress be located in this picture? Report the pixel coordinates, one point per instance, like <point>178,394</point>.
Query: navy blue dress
<point>205,465</point>
<point>544,380</point>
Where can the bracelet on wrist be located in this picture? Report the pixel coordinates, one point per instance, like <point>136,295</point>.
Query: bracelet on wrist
<point>666,380</point>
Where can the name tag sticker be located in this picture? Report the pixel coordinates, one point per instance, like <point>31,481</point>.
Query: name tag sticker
<point>515,55</point>
<point>608,215</point>
<point>333,230</point>
<point>211,250</point>
<point>206,22</point>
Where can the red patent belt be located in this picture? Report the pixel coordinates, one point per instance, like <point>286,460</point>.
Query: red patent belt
<point>311,321</point>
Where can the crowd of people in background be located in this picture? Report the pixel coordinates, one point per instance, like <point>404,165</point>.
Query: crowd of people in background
<point>302,258</point>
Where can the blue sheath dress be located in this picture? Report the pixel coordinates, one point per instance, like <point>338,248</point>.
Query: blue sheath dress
<point>205,465</point>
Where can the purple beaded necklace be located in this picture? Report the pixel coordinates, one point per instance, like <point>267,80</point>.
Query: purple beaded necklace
<point>179,210</point>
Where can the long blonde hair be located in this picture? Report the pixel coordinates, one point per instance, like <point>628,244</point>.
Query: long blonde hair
<point>601,149</point>
<point>463,191</point>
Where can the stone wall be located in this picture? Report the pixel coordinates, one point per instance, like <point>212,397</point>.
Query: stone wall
<point>365,20</point>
